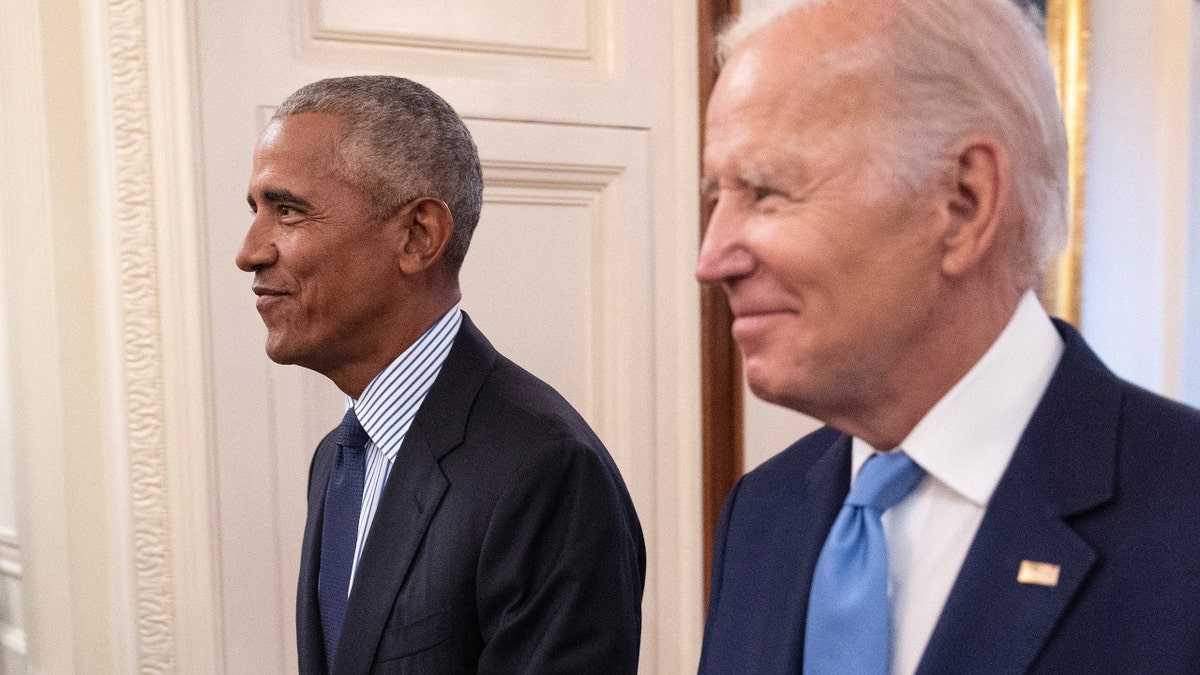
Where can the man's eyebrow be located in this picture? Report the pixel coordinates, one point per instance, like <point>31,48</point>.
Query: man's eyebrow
<point>283,196</point>
<point>754,176</point>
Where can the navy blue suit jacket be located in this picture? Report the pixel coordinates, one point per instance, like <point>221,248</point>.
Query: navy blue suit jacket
<point>504,541</point>
<point>1105,483</point>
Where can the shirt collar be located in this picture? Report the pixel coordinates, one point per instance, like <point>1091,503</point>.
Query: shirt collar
<point>389,403</point>
<point>967,439</point>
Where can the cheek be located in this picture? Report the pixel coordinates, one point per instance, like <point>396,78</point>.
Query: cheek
<point>789,249</point>
<point>325,276</point>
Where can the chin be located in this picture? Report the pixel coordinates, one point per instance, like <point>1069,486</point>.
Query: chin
<point>281,359</point>
<point>781,386</point>
<point>280,353</point>
<point>764,386</point>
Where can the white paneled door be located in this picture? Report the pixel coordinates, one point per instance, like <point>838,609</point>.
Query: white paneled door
<point>584,114</point>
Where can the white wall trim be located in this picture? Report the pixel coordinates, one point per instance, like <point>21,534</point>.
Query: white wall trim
<point>678,557</point>
<point>126,180</point>
<point>149,176</point>
<point>316,26</point>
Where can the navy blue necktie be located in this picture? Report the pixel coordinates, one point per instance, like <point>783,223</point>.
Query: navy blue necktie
<point>849,627</point>
<point>339,528</point>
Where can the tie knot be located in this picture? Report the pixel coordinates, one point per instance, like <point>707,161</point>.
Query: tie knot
<point>350,433</point>
<point>884,480</point>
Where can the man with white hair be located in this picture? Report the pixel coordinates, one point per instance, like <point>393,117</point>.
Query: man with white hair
<point>888,180</point>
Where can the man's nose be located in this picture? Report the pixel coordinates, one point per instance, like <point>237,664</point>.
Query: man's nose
<point>257,249</point>
<point>723,255</point>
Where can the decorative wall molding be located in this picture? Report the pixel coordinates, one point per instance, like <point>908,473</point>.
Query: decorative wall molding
<point>141,358</point>
<point>589,45</point>
<point>568,61</point>
<point>509,173</point>
<point>145,133</point>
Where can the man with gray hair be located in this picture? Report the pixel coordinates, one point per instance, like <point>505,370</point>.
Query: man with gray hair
<point>888,178</point>
<point>463,518</point>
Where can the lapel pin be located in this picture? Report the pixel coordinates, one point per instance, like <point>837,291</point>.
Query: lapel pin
<point>1038,573</point>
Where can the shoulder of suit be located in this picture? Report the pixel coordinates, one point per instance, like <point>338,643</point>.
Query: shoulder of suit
<point>800,455</point>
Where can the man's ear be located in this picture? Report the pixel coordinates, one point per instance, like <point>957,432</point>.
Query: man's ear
<point>428,226</point>
<point>978,186</point>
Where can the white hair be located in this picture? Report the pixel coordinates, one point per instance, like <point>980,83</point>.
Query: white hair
<point>962,67</point>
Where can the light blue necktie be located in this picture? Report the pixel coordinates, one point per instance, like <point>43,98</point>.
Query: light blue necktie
<point>339,528</point>
<point>849,627</point>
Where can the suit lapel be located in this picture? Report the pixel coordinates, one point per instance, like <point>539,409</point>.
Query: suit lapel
<point>414,489</point>
<point>310,644</point>
<point>771,534</point>
<point>411,497</point>
<point>1063,466</point>
<point>828,482</point>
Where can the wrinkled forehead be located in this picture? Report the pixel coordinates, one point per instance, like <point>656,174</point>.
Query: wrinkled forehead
<point>296,152</point>
<point>302,136</point>
<point>804,108</point>
<point>815,56</point>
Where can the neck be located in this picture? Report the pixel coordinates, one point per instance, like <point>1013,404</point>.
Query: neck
<point>387,344</point>
<point>960,333</point>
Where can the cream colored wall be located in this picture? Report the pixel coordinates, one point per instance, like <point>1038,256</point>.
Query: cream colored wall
<point>1136,258</point>
<point>1190,389</point>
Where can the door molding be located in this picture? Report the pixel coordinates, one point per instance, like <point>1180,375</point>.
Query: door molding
<point>721,367</point>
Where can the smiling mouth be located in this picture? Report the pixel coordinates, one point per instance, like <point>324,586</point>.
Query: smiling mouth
<point>267,296</point>
<point>747,324</point>
<point>756,313</point>
<point>266,300</point>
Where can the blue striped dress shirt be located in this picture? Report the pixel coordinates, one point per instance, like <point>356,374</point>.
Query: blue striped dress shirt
<point>387,407</point>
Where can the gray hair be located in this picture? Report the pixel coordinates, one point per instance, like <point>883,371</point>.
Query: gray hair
<point>400,141</point>
<point>962,67</point>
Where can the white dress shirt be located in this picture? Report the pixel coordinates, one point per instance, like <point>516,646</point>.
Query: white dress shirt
<point>964,443</point>
<point>387,407</point>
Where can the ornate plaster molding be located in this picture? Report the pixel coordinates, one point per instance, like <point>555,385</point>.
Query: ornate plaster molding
<point>140,331</point>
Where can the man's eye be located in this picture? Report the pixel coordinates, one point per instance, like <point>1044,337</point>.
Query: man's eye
<point>762,192</point>
<point>285,211</point>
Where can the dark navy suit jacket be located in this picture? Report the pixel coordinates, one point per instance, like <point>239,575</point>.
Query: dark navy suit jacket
<point>504,541</point>
<point>1105,483</point>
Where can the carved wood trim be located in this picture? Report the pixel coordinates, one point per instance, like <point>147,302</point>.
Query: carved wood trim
<point>140,329</point>
<point>720,369</point>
